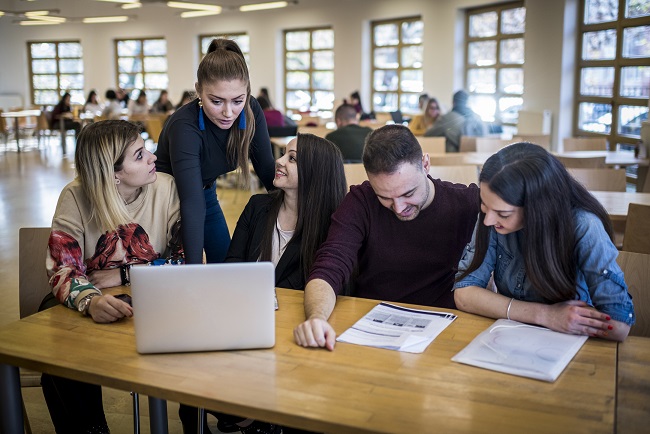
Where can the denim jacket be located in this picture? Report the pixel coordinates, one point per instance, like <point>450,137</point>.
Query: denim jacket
<point>599,279</point>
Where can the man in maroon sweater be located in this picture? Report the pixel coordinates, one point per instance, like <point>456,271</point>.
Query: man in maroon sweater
<point>404,230</point>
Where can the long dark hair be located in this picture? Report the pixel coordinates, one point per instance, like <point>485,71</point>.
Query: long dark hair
<point>527,176</point>
<point>321,188</point>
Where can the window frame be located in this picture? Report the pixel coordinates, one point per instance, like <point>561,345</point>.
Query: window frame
<point>59,90</point>
<point>150,91</point>
<point>229,35</point>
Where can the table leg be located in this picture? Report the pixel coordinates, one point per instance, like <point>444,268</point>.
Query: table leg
<point>11,410</point>
<point>17,133</point>
<point>62,132</point>
<point>158,416</point>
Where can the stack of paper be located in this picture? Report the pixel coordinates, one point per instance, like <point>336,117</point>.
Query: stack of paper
<point>521,349</point>
<point>397,328</point>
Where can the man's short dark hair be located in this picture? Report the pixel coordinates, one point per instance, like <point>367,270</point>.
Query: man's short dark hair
<point>345,112</point>
<point>389,147</point>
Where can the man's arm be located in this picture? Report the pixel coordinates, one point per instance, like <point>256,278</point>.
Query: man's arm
<point>319,304</point>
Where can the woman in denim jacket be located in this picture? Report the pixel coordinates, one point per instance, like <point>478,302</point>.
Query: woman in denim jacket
<point>548,244</point>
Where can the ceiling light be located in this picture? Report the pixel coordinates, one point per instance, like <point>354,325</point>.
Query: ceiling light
<point>49,19</point>
<point>1,13</point>
<point>194,14</point>
<point>36,13</point>
<point>96,20</point>
<point>262,6</point>
<point>197,6</point>
<point>118,1</point>
<point>37,23</point>
<point>132,5</point>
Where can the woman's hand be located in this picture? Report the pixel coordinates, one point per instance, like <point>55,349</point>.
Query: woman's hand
<point>577,318</point>
<point>105,278</point>
<point>106,308</point>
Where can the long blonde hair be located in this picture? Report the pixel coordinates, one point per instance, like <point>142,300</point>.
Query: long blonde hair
<point>225,62</point>
<point>100,153</point>
<point>430,120</point>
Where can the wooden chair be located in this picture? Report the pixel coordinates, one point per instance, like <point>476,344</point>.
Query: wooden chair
<point>543,140</point>
<point>637,229</point>
<point>636,267</point>
<point>600,179</point>
<point>449,159</point>
<point>465,174</point>
<point>583,163</point>
<point>432,145</point>
<point>467,144</point>
<point>4,130</point>
<point>154,125</point>
<point>354,173</point>
<point>488,144</point>
<point>585,144</point>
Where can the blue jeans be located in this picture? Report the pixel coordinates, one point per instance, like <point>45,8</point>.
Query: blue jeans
<point>216,237</point>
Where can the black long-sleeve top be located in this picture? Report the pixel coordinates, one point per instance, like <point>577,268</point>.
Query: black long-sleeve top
<point>196,158</point>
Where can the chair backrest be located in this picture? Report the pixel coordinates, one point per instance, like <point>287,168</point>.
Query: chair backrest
<point>488,144</point>
<point>584,163</point>
<point>600,179</point>
<point>465,174</point>
<point>355,173</point>
<point>636,267</point>
<point>585,144</point>
<point>543,140</point>
<point>449,159</point>
<point>432,145</point>
<point>467,144</point>
<point>154,125</point>
<point>33,284</point>
<point>637,229</point>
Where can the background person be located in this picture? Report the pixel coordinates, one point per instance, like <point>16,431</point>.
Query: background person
<point>430,114</point>
<point>140,106</point>
<point>162,104</point>
<point>92,104</point>
<point>460,121</point>
<point>62,112</point>
<point>186,97</point>
<point>113,109</point>
<point>349,136</point>
<point>548,243</point>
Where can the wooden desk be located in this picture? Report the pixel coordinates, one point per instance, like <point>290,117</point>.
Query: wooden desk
<point>352,389</point>
<point>16,116</point>
<point>616,203</point>
<point>633,386</point>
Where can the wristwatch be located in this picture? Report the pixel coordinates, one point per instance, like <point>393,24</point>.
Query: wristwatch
<point>84,303</point>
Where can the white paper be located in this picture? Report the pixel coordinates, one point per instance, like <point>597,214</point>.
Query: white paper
<point>397,328</point>
<point>521,349</point>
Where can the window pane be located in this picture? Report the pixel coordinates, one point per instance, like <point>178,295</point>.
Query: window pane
<point>297,80</point>
<point>46,97</point>
<point>205,43</point>
<point>509,109</point>
<point>511,80</point>
<point>412,80</point>
<point>513,21</point>
<point>297,41</point>
<point>386,80</point>
<point>323,80</point>
<point>483,25</point>
<point>156,81</point>
<point>412,32</point>
<point>323,39</point>
<point>599,45</point>
<point>636,42</point>
<point>72,81</point>
<point>129,64</point>
<point>324,100</point>
<point>298,60</point>
<point>482,80</point>
<point>45,82</point>
<point>409,102</point>
<point>299,100</point>
<point>155,47</point>
<point>637,8</point>
<point>44,66</point>
<point>128,48</point>
<point>70,49</point>
<point>131,81</point>
<point>155,64</point>
<point>71,66</point>
<point>386,34</point>
<point>386,58</point>
<point>597,81</point>
<point>77,96</point>
<point>483,105</point>
<point>43,50</point>
<point>412,56</point>
<point>323,59</point>
<point>600,11</point>
<point>482,53</point>
<point>635,81</point>
<point>512,51</point>
<point>244,42</point>
<point>630,119</point>
<point>595,117</point>
<point>385,102</point>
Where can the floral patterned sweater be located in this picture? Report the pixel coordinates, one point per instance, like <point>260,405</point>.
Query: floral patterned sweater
<point>77,246</point>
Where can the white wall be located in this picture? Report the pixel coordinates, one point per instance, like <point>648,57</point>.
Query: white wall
<point>549,42</point>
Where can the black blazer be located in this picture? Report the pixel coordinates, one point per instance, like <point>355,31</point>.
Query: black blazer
<point>245,244</point>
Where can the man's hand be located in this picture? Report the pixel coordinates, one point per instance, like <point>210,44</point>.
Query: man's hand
<point>315,332</point>
<point>106,309</point>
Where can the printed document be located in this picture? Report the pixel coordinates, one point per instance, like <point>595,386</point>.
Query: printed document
<point>397,328</point>
<point>521,349</point>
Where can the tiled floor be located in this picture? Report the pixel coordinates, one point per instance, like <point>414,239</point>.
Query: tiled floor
<point>30,183</point>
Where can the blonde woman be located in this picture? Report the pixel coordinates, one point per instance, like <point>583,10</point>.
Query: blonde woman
<point>420,123</point>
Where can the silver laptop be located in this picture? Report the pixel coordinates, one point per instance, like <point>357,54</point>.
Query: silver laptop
<point>179,308</point>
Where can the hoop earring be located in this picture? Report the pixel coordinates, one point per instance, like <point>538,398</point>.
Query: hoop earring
<point>201,120</point>
<point>117,181</point>
<point>242,120</point>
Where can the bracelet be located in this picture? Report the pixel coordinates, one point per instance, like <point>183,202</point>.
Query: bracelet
<point>509,306</point>
<point>125,275</point>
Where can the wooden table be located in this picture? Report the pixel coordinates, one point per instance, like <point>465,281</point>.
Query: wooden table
<point>616,203</point>
<point>17,115</point>
<point>633,386</point>
<point>352,389</point>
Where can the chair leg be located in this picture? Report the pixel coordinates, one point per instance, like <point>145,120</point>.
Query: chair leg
<point>200,423</point>
<point>28,427</point>
<point>136,413</point>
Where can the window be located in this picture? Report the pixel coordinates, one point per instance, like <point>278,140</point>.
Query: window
<point>242,39</point>
<point>397,77</point>
<point>613,74</point>
<point>142,64</point>
<point>494,62</point>
<point>309,69</point>
<point>56,68</point>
